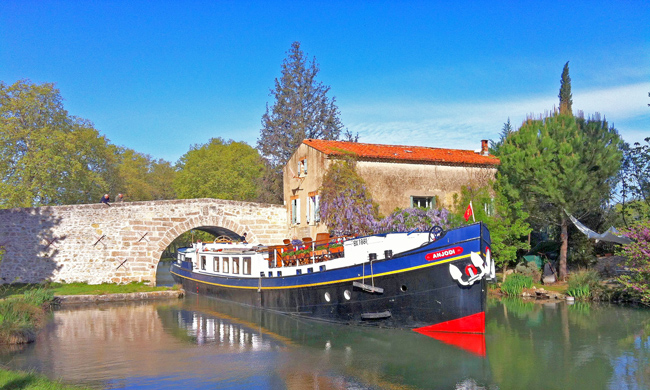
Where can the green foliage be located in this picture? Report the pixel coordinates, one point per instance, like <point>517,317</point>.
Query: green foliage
<point>637,282</point>
<point>100,289</point>
<point>635,181</point>
<point>346,203</point>
<point>139,177</point>
<point>219,169</point>
<point>31,381</point>
<point>47,156</point>
<point>515,284</point>
<point>301,110</point>
<point>559,163</point>
<point>22,314</point>
<point>566,101</point>
<point>495,146</point>
<point>504,218</point>
<point>583,284</point>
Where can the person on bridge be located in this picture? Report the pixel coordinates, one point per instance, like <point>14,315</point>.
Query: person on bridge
<point>106,199</point>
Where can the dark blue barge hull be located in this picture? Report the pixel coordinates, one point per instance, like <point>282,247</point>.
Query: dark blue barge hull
<point>418,290</point>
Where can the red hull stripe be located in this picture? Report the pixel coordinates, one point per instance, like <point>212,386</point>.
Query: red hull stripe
<point>474,323</point>
<point>471,342</point>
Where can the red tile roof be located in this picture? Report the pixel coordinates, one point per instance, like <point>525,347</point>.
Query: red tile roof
<point>402,153</point>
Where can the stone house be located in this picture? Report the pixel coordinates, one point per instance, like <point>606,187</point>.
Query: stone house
<point>397,176</point>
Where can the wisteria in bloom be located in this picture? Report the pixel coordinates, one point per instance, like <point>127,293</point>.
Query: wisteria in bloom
<point>414,219</point>
<point>637,281</point>
<point>346,204</point>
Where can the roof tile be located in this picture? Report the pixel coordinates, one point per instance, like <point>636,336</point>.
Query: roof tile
<point>402,153</point>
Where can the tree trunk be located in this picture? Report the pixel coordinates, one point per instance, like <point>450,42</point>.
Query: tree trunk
<point>564,237</point>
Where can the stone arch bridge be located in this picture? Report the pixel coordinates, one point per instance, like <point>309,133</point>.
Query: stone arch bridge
<point>123,242</point>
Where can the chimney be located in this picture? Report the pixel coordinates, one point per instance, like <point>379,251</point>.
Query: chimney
<point>484,147</point>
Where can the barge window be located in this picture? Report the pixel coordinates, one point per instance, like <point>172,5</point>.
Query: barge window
<point>298,272</point>
<point>235,265</point>
<point>246,264</point>
<point>262,274</point>
<point>203,262</point>
<point>225,265</point>
<point>310,270</point>
<point>279,273</point>
<point>216,264</point>
<point>322,268</point>
<point>270,274</point>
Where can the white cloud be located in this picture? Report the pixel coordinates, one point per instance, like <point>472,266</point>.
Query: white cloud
<point>463,125</point>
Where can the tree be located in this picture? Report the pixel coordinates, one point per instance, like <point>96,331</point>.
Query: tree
<point>47,156</point>
<point>565,96</point>
<point>499,207</point>
<point>346,204</point>
<point>219,169</point>
<point>506,130</point>
<point>635,180</point>
<point>560,165</point>
<point>637,282</point>
<point>140,177</point>
<point>301,110</point>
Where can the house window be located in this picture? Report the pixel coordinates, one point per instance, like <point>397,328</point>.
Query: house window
<point>216,264</point>
<point>302,167</point>
<point>423,202</point>
<point>313,208</point>
<point>235,265</point>
<point>225,265</point>
<point>246,264</point>
<point>295,211</point>
<point>203,262</point>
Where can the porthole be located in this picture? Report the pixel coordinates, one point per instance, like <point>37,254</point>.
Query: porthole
<point>403,288</point>
<point>347,294</point>
<point>327,297</point>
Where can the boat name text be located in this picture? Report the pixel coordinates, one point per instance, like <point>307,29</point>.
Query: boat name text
<point>444,253</point>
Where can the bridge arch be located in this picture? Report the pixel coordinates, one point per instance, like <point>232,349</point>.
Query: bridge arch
<point>119,243</point>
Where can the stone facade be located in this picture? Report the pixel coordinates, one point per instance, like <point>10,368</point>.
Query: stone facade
<point>395,178</point>
<point>122,242</point>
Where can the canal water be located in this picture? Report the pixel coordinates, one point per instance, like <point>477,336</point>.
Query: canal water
<point>203,343</point>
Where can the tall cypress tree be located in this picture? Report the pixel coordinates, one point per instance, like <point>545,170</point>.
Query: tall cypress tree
<point>566,101</point>
<point>301,110</point>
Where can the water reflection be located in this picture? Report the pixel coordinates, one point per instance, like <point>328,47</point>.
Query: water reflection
<point>204,343</point>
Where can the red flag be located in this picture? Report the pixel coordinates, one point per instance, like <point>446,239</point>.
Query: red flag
<point>469,212</point>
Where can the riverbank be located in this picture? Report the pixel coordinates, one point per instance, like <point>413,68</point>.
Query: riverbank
<point>118,297</point>
<point>30,381</point>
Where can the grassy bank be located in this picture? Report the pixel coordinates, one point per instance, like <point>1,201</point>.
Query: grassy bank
<point>21,315</point>
<point>30,381</point>
<point>80,288</point>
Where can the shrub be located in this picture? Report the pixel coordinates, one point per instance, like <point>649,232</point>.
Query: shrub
<point>516,283</point>
<point>584,284</point>
<point>637,283</point>
<point>529,269</point>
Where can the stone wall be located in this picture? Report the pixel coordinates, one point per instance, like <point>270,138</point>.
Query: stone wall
<point>122,242</point>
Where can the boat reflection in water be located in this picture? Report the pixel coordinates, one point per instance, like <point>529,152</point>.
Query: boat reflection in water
<point>331,355</point>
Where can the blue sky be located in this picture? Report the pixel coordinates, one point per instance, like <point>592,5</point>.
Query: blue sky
<point>159,76</point>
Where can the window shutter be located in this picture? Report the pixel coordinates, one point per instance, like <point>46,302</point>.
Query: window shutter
<point>309,207</point>
<point>297,210</point>
<point>317,208</point>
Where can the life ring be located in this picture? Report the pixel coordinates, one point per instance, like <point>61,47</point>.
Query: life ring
<point>470,267</point>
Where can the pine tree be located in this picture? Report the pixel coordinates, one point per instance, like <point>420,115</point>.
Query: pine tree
<point>565,91</point>
<point>301,110</point>
<point>561,164</point>
<point>495,146</point>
